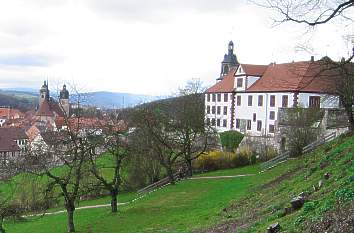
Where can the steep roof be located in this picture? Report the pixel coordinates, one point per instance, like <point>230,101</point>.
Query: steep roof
<point>303,76</point>
<point>44,109</point>
<point>254,70</point>
<point>226,84</point>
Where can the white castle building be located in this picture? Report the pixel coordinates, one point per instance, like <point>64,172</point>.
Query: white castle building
<point>247,98</point>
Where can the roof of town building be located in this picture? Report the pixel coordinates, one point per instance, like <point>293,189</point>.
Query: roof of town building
<point>49,108</point>
<point>226,84</point>
<point>305,76</point>
<point>10,113</point>
<point>8,137</point>
<point>254,70</point>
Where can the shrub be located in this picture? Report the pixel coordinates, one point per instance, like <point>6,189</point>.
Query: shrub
<point>215,160</point>
<point>230,140</point>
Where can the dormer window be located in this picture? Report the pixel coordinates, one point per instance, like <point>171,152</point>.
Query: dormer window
<point>239,82</point>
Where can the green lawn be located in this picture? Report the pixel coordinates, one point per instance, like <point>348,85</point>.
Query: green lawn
<point>188,205</point>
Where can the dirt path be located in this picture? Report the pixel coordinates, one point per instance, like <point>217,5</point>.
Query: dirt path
<point>78,208</point>
<point>219,177</point>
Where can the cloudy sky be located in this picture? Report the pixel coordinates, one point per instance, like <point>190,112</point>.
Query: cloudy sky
<point>145,46</point>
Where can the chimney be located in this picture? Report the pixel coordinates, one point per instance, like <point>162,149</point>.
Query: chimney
<point>312,58</point>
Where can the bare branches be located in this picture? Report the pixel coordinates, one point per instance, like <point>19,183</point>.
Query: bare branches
<point>309,12</point>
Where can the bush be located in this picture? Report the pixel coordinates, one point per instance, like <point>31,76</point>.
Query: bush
<point>215,160</point>
<point>230,140</point>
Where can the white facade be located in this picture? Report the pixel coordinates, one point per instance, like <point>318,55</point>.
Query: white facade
<point>218,110</point>
<point>256,113</point>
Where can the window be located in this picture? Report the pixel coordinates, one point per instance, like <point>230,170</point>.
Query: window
<point>314,101</point>
<point>219,97</point>
<point>259,125</point>
<point>238,123</point>
<point>239,82</point>
<point>213,96</point>
<point>249,124</point>
<point>218,122</point>
<point>218,110</point>
<point>208,97</point>
<point>213,110</point>
<point>208,121</point>
<point>250,98</point>
<point>208,109</point>
<point>225,110</point>
<point>224,123</point>
<point>260,100</point>
<point>213,121</point>
<point>271,128</point>
<point>284,102</point>
<point>238,100</point>
<point>226,97</point>
<point>254,117</point>
<point>272,115</point>
<point>272,100</point>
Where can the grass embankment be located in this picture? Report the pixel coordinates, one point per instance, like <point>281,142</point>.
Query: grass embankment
<point>248,203</point>
<point>186,206</point>
<point>329,208</point>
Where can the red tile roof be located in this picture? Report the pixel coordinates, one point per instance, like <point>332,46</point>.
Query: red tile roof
<point>44,109</point>
<point>8,137</point>
<point>10,113</point>
<point>226,84</point>
<point>254,70</point>
<point>295,76</point>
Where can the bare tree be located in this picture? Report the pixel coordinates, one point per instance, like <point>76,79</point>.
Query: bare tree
<point>69,148</point>
<point>194,136</point>
<point>157,132</point>
<point>115,143</point>
<point>310,12</point>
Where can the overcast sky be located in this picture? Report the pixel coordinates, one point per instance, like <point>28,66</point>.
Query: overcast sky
<point>145,46</point>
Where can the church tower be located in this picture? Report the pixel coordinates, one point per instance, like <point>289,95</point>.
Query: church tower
<point>43,93</point>
<point>230,61</point>
<point>64,101</point>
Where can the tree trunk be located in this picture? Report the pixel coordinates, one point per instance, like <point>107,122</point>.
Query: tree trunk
<point>114,201</point>
<point>349,111</point>
<point>2,230</point>
<point>70,208</point>
<point>189,167</point>
<point>170,175</point>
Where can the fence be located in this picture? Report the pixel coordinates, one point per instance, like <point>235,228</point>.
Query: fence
<point>158,184</point>
<point>286,155</point>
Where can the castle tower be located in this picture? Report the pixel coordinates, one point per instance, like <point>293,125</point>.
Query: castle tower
<point>64,101</point>
<point>230,60</point>
<point>43,93</point>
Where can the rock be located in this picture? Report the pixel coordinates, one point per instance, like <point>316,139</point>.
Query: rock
<point>297,202</point>
<point>320,184</point>
<point>274,228</point>
<point>304,195</point>
<point>327,175</point>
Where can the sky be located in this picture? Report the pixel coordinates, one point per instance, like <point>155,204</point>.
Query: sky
<point>146,46</point>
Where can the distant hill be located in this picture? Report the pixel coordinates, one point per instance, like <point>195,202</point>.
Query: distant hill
<point>26,98</point>
<point>18,99</point>
<point>105,99</point>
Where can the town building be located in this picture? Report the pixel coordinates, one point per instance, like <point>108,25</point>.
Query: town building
<point>13,143</point>
<point>7,113</point>
<point>49,109</point>
<point>248,98</point>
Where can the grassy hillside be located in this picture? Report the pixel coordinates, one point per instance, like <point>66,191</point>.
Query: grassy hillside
<point>328,208</point>
<point>247,204</point>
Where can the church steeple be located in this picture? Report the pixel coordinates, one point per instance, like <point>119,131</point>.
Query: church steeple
<point>43,93</point>
<point>230,61</point>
